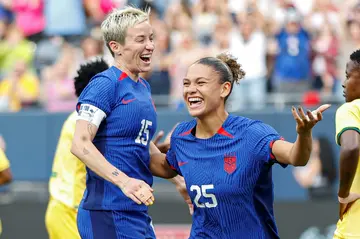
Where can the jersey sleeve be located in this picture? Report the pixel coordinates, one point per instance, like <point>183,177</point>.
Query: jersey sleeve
<point>171,156</point>
<point>261,138</point>
<point>4,162</point>
<point>347,118</point>
<point>100,92</point>
<point>171,159</point>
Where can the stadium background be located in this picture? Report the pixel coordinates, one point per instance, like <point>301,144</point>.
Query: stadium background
<point>42,42</point>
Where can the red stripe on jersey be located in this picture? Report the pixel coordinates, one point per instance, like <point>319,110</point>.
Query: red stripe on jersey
<point>272,156</point>
<point>123,76</point>
<point>186,133</point>
<point>172,167</point>
<point>78,107</point>
<point>142,82</point>
<point>222,131</point>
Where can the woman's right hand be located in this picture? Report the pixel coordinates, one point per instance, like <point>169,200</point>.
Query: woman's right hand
<point>137,190</point>
<point>346,203</point>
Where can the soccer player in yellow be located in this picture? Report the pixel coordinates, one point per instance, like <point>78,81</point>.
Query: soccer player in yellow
<point>347,136</point>
<point>5,173</point>
<point>67,181</point>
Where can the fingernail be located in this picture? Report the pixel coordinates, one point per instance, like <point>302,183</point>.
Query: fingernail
<point>293,107</point>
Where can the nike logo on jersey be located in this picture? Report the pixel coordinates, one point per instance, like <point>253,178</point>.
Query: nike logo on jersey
<point>125,102</point>
<point>182,163</point>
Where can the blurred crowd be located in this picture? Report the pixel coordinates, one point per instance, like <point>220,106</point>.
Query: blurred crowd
<point>291,50</point>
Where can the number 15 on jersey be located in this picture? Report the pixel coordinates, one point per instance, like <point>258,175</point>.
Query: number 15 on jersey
<point>144,134</point>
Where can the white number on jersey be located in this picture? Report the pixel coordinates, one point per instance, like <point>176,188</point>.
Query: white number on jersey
<point>201,191</point>
<point>293,46</point>
<point>141,139</point>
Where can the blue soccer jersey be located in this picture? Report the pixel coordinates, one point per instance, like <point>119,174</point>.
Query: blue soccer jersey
<point>123,136</point>
<point>228,178</point>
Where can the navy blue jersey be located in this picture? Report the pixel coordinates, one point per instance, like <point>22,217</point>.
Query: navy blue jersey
<point>293,61</point>
<point>228,178</point>
<point>123,136</point>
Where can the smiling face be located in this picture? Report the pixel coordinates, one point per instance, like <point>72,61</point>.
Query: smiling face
<point>136,52</point>
<point>203,91</point>
<point>351,84</point>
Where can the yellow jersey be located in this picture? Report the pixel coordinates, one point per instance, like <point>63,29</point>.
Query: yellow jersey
<point>67,181</point>
<point>28,84</point>
<point>4,162</point>
<point>348,118</point>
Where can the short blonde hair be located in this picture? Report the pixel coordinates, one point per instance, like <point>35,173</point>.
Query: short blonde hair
<point>116,24</point>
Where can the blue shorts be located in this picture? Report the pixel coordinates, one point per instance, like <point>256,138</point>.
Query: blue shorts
<point>114,225</point>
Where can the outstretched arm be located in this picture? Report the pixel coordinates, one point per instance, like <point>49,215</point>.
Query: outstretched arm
<point>298,153</point>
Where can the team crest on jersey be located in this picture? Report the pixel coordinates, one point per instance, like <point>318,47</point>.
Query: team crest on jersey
<point>230,163</point>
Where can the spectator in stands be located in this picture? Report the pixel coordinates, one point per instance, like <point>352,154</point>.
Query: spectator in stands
<point>277,13</point>
<point>65,18</point>
<point>221,35</point>
<point>15,48</point>
<point>319,175</point>
<point>188,51</point>
<point>249,47</point>
<point>325,47</point>
<point>91,47</point>
<point>98,9</point>
<point>178,19</point>
<point>19,89</point>
<point>5,12</point>
<point>352,10</point>
<point>205,17</point>
<point>3,28</point>
<point>323,12</point>
<point>29,17</point>
<point>292,62</point>
<point>58,86</point>
<point>159,76</point>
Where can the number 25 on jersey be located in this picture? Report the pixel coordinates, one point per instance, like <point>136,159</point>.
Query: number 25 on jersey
<point>201,191</point>
<point>143,137</point>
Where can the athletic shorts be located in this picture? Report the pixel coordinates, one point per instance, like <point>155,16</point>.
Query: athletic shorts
<point>93,224</point>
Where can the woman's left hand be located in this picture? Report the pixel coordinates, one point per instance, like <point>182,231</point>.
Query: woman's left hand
<point>305,122</point>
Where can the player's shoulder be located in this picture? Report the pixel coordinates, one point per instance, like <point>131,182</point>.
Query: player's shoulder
<point>104,81</point>
<point>244,125</point>
<point>108,75</point>
<point>184,128</point>
<point>353,106</point>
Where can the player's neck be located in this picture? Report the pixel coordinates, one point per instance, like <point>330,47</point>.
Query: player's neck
<point>120,65</point>
<point>209,125</point>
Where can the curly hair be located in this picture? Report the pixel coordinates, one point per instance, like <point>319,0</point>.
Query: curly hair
<point>86,72</point>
